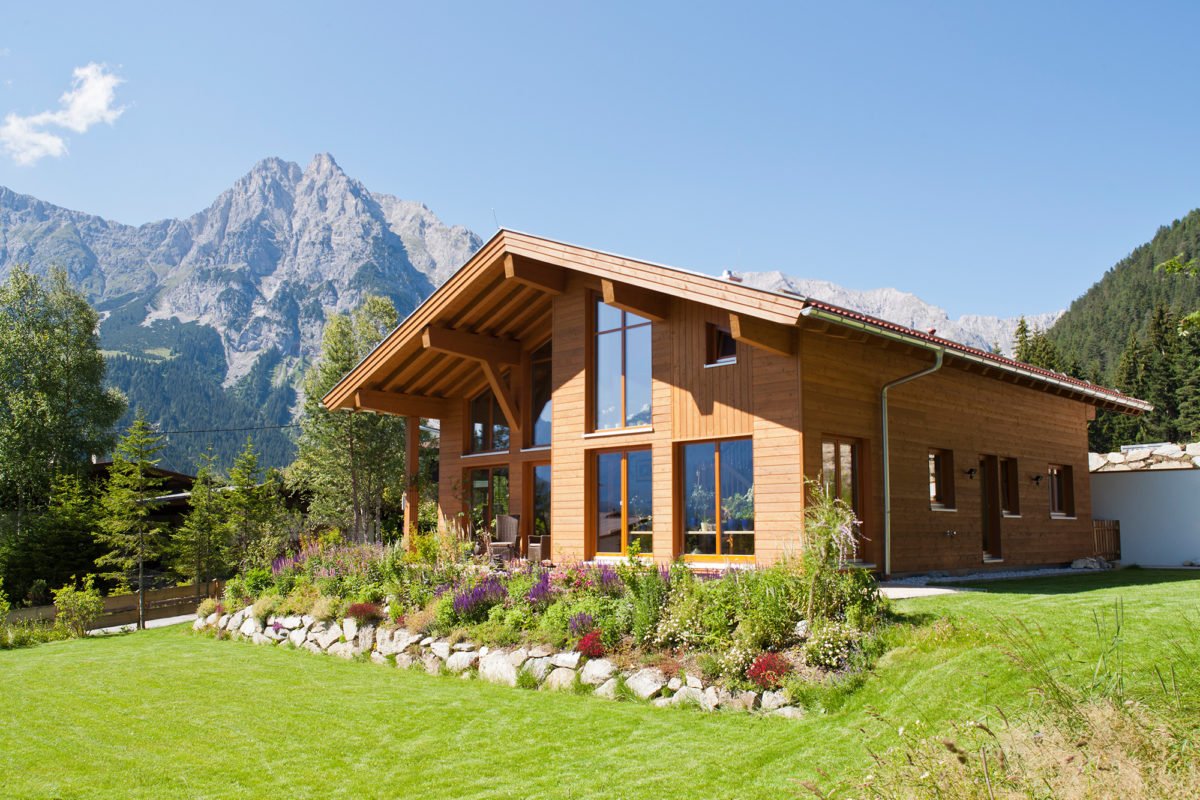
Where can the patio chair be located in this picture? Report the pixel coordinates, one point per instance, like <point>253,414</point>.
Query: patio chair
<point>507,542</point>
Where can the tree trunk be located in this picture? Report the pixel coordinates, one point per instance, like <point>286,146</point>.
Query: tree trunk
<point>141,582</point>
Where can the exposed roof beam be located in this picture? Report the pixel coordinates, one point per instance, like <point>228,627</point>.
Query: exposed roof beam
<point>471,345</point>
<point>636,300</point>
<point>764,335</point>
<point>537,274</point>
<point>404,405</point>
<point>504,395</point>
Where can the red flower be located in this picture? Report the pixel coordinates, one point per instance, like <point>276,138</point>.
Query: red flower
<point>769,670</point>
<point>590,645</point>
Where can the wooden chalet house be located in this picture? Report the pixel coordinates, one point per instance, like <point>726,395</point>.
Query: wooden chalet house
<point>613,403</point>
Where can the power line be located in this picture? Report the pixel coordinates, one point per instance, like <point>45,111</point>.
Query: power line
<point>236,430</point>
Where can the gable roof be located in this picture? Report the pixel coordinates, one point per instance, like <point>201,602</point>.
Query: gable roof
<point>479,299</point>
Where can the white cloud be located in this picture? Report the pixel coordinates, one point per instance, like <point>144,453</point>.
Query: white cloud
<point>88,102</point>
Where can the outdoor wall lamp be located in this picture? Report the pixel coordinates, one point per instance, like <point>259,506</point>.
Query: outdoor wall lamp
<point>1037,480</point>
<point>971,473</point>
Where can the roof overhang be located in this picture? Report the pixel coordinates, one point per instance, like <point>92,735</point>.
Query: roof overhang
<point>477,324</point>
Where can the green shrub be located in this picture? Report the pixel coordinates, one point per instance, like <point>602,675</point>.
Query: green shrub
<point>299,601</point>
<point>326,608</point>
<point>208,606</point>
<point>258,581</point>
<point>526,680</point>
<point>831,645</point>
<point>236,596</point>
<point>77,609</point>
<point>266,606</point>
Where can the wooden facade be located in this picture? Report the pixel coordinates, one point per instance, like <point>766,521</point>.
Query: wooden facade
<point>795,392</point>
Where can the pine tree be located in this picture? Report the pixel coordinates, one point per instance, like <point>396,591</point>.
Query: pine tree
<point>351,465</point>
<point>127,503</point>
<point>249,507</point>
<point>1187,395</point>
<point>201,542</point>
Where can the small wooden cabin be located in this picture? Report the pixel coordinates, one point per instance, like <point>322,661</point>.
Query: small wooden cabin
<point>615,404</point>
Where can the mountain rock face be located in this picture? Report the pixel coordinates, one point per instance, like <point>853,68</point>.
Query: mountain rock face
<point>263,265</point>
<point>904,308</point>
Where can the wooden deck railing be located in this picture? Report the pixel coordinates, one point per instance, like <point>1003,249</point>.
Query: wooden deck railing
<point>1106,539</point>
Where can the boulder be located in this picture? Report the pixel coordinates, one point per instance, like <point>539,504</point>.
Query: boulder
<point>568,659</point>
<point>1091,562</point>
<point>789,712</point>
<point>312,647</point>
<point>713,697</point>
<point>383,638</point>
<point>693,682</point>
<point>405,661</point>
<point>464,647</point>
<point>561,679</point>
<point>663,702</point>
<point>341,650</point>
<point>297,637</point>
<point>675,684</point>
<point>198,625</point>
<point>350,628</point>
<point>211,619</point>
<point>801,630</point>
<point>1096,461</point>
<point>518,657</point>
<point>596,671</point>
<point>275,634</point>
<point>690,696</point>
<point>330,637</point>
<point>1193,449</point>
<point>426,641</point>
<point>259,638</point>
<point>307,620</point>
<point>538,667</point>
<point>1115,458</point>
<point>1137,455</point>
<point>235,622</point>
<point>433,664</point>
<point>378,657</point>
<point>740,701</point>
<point>1168,451</point>
<point>365,640</point>
<point>607,690</point>
<point>223,622</point>
<point>249,627</point>
<point>541,651</point>
<point>647,682</point>
<point>774,700</point>
<point>291,622</point>
<point>498,668</point>
<point>440,649</point>
<point>461,661</point>
<point>483,651</point>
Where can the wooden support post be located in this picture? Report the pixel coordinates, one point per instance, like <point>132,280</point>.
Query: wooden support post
<point>412,468</point>
<point>504,396</point>
<point>538,274</point>
<point>764,335</point>
<point>636,300</point>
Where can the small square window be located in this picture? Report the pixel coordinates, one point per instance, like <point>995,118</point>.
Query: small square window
<point>722,347</point>
<point>941,479</point>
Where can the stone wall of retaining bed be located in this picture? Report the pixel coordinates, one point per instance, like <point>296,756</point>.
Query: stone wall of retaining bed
<point>550,669</point>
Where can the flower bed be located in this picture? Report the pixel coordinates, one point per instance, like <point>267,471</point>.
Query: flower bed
<point>736,631</point>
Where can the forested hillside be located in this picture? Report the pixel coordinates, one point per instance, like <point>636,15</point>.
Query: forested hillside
<point>1126,332</point>
<point>1096,329</point>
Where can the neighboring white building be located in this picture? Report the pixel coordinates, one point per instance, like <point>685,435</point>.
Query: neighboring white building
<point>1155,494</point>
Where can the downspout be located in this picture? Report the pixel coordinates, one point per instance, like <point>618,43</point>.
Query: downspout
<point>887,465</point>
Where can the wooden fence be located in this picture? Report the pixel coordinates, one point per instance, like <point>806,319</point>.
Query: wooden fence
<point>1106,539</point>
<point>122,609</point>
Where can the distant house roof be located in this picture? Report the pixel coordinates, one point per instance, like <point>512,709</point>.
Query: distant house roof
<point>514,274</point>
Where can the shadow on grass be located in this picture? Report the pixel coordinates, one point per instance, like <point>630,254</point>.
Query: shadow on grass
<point>1083,582</point>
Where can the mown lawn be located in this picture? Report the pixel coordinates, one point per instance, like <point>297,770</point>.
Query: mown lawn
<point>166,713</point>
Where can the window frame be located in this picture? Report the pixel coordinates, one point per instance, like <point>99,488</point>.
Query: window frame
<point>593,513</point>
<point>941,480</point>
<point>593,372</point>
<point>489,429</point>
<point>1061,480</point>
<point>531,421</point>
<point>718,530</point>
<point>713,335</point>
<point>489,519</point>
<point>1008,474</point>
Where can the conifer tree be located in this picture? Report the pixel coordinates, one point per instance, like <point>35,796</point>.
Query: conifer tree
<point>127,504</point>
<point>201,542</point>
<point>249,505</point>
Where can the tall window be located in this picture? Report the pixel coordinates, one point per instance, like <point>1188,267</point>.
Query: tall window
<point>540,395</point>
<point>489,428</point>
<point>624,511</point>
<point>1010,500</point>
<point>718,498</point>
<point>622,374</point>
<point>1062,491</point>
<point>941,479</point>
<point>541,500</point>
<point>489,497</point>
<point>839,470</point>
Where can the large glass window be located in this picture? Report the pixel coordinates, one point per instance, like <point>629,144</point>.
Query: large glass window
<point>624,511</point>
<point>540,391</point>
<point>718,498</point>
<point>541,500</point>
<point>489,428</point>
<point>489,497</point>
<point>840,474</point>
<point>622,375</point>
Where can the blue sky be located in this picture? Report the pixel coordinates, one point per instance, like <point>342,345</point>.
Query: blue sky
<point>992,159</point>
